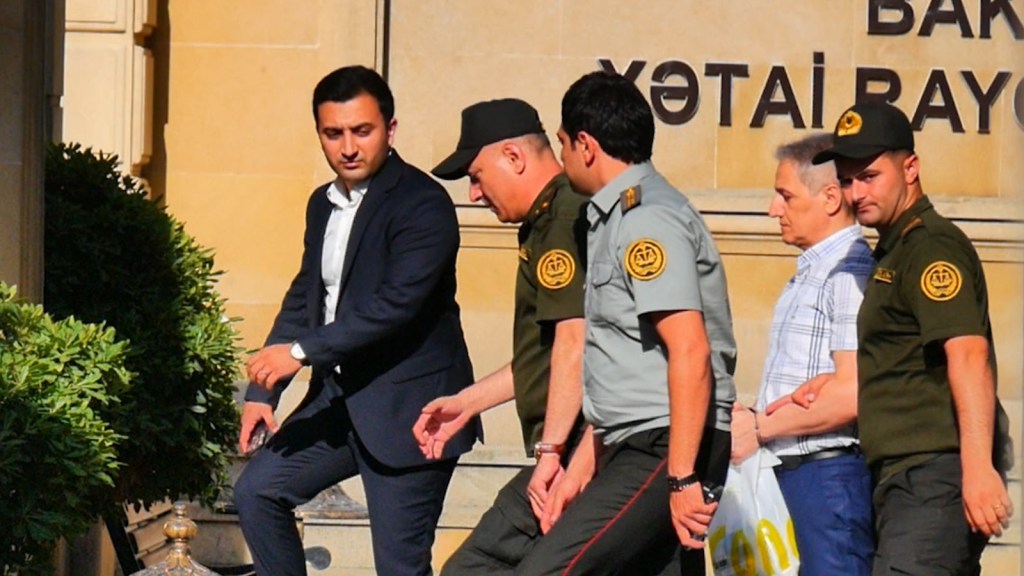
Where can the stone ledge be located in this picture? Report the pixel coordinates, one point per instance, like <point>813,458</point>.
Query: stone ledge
<point>739,221</point>
<point>754,202</point>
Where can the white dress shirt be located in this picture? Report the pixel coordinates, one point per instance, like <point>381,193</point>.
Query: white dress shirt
<point>336,236</point>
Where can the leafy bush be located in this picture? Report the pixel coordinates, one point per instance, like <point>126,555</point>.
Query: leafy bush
<point>60,384</point>
<point>113,256</point>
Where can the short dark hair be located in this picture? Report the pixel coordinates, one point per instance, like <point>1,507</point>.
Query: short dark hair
<point>612,110</point>
<point>346,83</point>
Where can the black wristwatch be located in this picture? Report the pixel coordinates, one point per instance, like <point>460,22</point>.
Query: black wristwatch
<point>677,484</point>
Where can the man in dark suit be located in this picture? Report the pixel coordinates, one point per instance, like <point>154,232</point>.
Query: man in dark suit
<point>372,310</point>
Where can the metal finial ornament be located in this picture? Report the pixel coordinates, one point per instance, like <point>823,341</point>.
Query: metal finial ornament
<point>179,529</point>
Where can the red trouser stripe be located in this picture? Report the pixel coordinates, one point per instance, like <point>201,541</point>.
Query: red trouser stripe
<point>618,515</point>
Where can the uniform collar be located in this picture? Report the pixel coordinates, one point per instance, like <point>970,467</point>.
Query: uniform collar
<point>608,196</point>
<point>904,224</point>
<point>543,201</point>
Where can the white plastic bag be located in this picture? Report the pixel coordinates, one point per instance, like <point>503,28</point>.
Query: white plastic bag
<point>752,531</point>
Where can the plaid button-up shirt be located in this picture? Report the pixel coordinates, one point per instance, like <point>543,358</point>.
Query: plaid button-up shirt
<point>815,316</point>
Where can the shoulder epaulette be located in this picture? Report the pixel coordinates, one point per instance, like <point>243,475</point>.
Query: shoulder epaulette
<point>915,222</point>
<point>630,198</point>
<point>545,200</point>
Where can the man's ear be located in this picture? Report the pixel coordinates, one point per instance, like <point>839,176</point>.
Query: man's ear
<point>832,196</point>
<point>589,145</point>
<point>515,155</point>
<point>392,128</point>
<point>911,168</point>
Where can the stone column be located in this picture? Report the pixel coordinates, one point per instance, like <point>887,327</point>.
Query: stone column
<point>29,41</point>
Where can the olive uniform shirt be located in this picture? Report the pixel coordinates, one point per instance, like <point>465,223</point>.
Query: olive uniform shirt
<point>549,288</point>
<point>927,287</point>
<point>648,251</point>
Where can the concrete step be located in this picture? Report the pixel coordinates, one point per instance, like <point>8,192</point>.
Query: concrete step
<point>218,540</point>
<point>1001,560</point>
<point>345,545</point>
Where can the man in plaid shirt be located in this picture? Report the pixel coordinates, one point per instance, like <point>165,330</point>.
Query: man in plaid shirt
<point>823,477</point>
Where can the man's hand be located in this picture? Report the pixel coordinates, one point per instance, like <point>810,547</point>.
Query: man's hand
<point>252,414</point>
<point>986,503</point>
<point>581,470</point>
<point>441,419</point>
<point>546,474</point>
<point>690,515</point>
<point>271,364</point>
<point>972,382</point>
<point>804,395</point>
<point>565,490</point>
<point>744,437</point>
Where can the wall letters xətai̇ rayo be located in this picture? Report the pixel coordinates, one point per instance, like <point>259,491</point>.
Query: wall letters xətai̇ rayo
<point>676,88</point>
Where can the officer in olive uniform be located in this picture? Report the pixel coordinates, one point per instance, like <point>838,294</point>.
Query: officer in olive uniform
<point>512,169</point>
<point>931,427</point>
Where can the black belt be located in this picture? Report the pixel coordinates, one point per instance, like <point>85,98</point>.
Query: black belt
<point>794,462</point>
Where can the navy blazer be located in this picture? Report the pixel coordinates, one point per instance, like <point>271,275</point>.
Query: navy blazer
<point>397,339</point>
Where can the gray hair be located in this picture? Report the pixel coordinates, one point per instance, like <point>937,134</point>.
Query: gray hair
<point>538,142</point>
<point>800,152</point>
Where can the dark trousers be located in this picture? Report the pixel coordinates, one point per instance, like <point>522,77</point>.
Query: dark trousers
<point>830,502</point>
<point>505,534</point>
<point>619,525</point>
<point>922,529</point>
<point>314,449</point>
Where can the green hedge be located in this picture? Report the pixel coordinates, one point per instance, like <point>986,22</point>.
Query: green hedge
<point>89,417</point>
<point>60,387</point>
<point>113,256</point>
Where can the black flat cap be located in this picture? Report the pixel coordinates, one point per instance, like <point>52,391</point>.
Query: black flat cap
<point>485,123</point>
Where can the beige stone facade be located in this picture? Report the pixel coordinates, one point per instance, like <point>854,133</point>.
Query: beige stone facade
<point>109,103</point>
<point>30,45</point>
<point>210,102</point>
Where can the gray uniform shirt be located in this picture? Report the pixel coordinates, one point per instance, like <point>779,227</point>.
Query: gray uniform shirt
<point>655,256</point>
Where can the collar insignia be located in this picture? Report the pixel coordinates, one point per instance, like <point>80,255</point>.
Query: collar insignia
<point>884,275</point>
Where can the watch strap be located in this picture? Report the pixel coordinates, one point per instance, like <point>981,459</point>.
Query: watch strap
<point>677,484</point>
<point>542,448</point>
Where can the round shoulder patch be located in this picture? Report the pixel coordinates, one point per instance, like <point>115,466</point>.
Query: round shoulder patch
<point>941,281</point>
<point>555,269</point>
<point>645,259</point>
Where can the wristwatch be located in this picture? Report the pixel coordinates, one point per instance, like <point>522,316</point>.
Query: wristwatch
<point>542,448</point>
<point>677,484</point>
<point>298,353</point>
